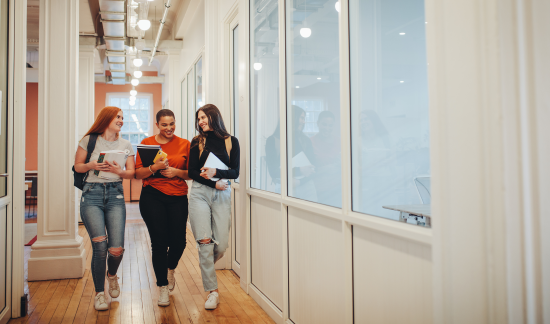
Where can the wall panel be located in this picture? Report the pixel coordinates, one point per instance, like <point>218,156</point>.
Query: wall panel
<point>316,268</point>
<point>392,279</point>
<point>267,249</point>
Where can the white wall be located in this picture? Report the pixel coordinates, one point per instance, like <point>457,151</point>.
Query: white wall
<point>193,40</point>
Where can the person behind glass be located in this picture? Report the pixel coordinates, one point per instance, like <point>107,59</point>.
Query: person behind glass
<point>163,201</point>
<point>209,200</point>
<point>326,146</point>
<point>102,206</point>
<point>302,177</point>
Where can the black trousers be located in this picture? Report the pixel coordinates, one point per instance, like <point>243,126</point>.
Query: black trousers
<point>166,220</point>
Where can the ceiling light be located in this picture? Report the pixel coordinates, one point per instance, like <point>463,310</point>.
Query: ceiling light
<point>257,66</point>
<point>144,24</point>
<point>401,34</point>
<point>319,78</point>
<point>305,32</point>
<point>133,98</point>
<point>297,87</point>
<point>401,81</point>
<point>337,6</point>
<point>132,103</point>
<point>138,62</point>
<point>138,74</point>
<point>133,93</point>
<point>135,82</point>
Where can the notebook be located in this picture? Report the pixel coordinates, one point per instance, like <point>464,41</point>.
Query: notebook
<point>147,154</point>
<point>214,162</point>
<point>110,156</point>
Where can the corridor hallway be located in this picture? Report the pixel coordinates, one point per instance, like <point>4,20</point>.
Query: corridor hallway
<point>71,300</point>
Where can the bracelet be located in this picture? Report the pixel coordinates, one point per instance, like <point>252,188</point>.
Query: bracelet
<point>151,170</point>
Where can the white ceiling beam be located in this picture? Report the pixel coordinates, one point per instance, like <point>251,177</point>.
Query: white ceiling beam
<point>186,12</point>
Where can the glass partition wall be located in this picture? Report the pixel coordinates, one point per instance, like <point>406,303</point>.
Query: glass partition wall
<point>389,124</point>
<point>389,106</point>
<point>265,163</point>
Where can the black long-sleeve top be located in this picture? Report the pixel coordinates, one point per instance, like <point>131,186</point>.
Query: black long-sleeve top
<point>216,146</point>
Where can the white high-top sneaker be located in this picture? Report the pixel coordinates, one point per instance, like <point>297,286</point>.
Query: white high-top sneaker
<point>164,296</point>
<point>114,288</point>
<point>212,301</point>
<point>100,303</point>
<point>171,280</point>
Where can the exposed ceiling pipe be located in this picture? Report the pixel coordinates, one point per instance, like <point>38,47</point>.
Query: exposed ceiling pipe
<point>162,21</point>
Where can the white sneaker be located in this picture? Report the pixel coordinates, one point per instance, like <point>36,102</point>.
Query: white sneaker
<point>171,279</point>
<point>114,288</point>
<point>164,297</point>
<point>212,301</point>
<point>100,303</point>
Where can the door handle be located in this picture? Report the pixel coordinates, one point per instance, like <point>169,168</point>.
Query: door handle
<point>4,175</point>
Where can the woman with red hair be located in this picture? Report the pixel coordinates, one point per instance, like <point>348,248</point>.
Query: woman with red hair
<point>102,206</point>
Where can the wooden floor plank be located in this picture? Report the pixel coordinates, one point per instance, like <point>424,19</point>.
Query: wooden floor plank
<point>72,300</point>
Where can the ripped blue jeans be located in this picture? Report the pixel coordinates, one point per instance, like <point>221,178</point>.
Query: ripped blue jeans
<point>210,216</point>
<point>103,213</point>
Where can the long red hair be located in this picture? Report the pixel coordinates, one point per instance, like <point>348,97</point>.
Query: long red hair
<point>105,117</point>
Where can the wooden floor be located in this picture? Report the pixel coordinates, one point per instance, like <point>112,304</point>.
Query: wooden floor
<point>72,300</point>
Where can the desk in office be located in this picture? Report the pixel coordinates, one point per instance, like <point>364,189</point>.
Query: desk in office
<point>406,211</point>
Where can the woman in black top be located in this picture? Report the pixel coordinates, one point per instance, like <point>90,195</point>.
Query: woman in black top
<point>210,197</point>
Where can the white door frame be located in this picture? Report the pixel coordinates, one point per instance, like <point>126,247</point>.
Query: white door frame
<point>15,199</point>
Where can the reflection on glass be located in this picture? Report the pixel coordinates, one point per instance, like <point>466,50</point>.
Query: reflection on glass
<point>313,102</point>
<point>198,83</point>
<point>264,96</point>
<point>236,84</point>
<point>190,107</point>
<point>389,105</point>
<point>236,81</point>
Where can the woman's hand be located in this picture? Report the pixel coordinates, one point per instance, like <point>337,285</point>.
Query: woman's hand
<point>114,168</point>
<point>222,185</point>
<point>208,173</point>
<point>160,165</point>
<point>169,172</point>
<point>94,165</point>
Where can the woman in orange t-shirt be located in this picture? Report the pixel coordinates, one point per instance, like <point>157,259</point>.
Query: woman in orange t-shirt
<point>163,202</point>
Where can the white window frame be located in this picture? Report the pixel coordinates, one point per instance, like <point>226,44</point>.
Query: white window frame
<point>139,95</point>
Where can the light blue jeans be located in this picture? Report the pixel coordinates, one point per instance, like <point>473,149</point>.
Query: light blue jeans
<point>103,213</point>
<point>210,216</point>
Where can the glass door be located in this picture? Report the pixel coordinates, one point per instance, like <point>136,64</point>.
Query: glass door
<point>3,148</point>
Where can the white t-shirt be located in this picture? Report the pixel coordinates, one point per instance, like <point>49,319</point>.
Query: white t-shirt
<point>103,145</point>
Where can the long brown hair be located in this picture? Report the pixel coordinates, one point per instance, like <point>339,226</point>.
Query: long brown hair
<point>105,117</point>
<point>215,121</point>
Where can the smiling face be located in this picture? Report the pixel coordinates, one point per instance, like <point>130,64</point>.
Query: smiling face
<point>117,122</point>
<point>167,126</point>
<point>203,121</point>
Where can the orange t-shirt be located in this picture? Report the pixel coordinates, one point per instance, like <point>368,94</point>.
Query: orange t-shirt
<point>178,157</point>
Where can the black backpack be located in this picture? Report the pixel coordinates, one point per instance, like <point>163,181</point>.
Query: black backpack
<point>80,178</point>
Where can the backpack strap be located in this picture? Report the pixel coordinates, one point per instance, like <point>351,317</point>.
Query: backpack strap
<point>228,146</point>
<point>91,146</point>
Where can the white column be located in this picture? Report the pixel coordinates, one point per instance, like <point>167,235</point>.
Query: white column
<point>59,251</point>
<point>212,73</point>
<point>85,111</point>
<point>173,82</point>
